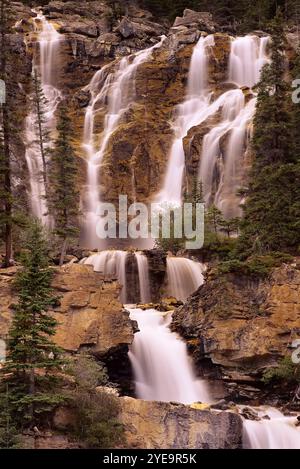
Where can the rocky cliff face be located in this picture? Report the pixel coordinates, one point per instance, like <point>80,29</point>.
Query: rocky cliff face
<point>243,326</point>
<point>161,425</point>
<point>94,35</point>
<point>89,317</point>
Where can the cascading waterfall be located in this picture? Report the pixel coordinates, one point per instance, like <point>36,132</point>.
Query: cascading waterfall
<point>48,40</point>
<point>196,100</point>
<point>111,264</point>
<point>143,270</point>
<point>247,57</point>
<point>184,277</point>
<point>117,89</point>
<point>162,368</point>
<point>275,432</point>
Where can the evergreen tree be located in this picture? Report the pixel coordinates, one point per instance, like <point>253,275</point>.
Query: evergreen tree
<point>63,195</point>
<point>214,219</point>
<point>270,220</point>
<point>40,103</point>
<point>30,372</point>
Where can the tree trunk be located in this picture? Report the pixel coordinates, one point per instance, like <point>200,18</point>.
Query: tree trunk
<point>63,252</point>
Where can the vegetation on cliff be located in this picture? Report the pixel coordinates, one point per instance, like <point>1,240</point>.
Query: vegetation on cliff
<point>30,376</point>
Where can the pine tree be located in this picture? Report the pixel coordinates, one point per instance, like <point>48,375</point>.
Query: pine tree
<point>63,196</point>
<point>270,222</point>
<point>214,218</point>
<point>33,360</point>
<point>40,103</point>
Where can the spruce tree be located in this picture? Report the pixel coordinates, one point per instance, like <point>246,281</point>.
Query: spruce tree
<point>30,373</point>
<point>270,222</point>
<point>63,196</point>
<point>40,103</point>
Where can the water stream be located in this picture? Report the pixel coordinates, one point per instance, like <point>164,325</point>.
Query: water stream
<point>48,41</point>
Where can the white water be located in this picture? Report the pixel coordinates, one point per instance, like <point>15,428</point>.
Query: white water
<point>247,57</point>
<point>111,264</point>
<point>162,368</point>
<point>220,169</point>
<point>143,270</point>
<point>196,101</point>
<point>48,40</point>
<point>117,90</point>
<point>279,432</point>
<point>184,277</point>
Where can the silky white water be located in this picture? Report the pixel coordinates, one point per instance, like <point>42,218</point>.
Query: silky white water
<point>161,366</point>
<point>197,99</point>
<point>222,164</point>
<point>279,432</point>
<point>144,283</point>
<point>184,277</point>
<point>111,264</point>
<point>116,90</point>
<point>48,40</point>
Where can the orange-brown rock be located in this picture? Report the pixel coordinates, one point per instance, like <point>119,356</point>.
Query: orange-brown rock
<point>89,315</point>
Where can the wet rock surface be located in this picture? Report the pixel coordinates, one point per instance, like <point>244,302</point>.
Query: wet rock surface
<point>243,326</point>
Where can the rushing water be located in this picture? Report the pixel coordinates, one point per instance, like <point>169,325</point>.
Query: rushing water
<point>143,271</point>
<point>162,368</point>
<point>48,41</point>
<point>221,164</point>
<point>187,116</point>
<point>184,276</point>
<point>117,90</point>
<point>111,264</point>
<point>274,432</point>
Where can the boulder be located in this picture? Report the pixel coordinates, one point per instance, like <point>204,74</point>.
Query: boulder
<point>203,20</point>
<point>159,425</point>
<point>138,28</point>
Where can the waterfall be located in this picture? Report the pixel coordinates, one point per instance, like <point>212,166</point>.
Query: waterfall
<point>117,90</point>
<point>111,264</point>
<point>275,432</point>
<point>162,368</point>
<point>184,277</point>
<point>196,100</point>
<point>143,270</point>
<point>48,40</point>
<point>221,165</point>
<point>247,57</point>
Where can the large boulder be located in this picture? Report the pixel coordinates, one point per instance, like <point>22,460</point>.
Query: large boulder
<point>159,425</point>
<point>203,20</point>
<point>139,28</point>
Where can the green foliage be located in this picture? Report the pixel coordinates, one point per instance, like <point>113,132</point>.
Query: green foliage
<point>96,423</point>
<point>63,196</point>
<point>272,208</point>
<point>286,371</point>
<point>257,266</point>
<point>9,435</point>
<point>33,360</point>
<point>242,16</point>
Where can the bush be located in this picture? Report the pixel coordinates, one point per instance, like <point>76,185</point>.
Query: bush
<point>257,266</point>
<point>285,371</point>
<point>96,422</point>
